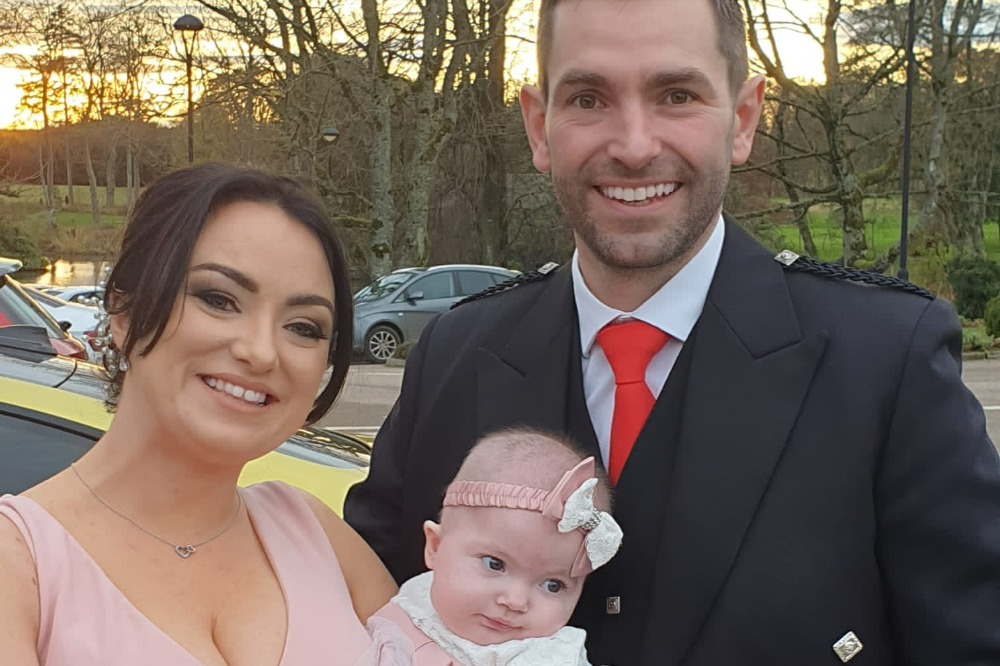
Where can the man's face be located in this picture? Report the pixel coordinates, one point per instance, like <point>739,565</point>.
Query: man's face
<point>639,129</point>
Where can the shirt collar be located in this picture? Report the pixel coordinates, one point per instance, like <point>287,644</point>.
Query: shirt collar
<point>674,308</point>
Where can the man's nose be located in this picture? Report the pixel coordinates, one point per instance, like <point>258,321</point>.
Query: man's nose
<point>634,144</point>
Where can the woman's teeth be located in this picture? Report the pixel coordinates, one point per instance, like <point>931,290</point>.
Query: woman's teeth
<point>253,397</point>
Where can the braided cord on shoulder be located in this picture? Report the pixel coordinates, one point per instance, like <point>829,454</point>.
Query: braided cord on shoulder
<point>810,265</point>
<point>512,283</point>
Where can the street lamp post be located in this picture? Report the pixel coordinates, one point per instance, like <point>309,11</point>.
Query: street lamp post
<point>189,26</point>
<point>329,136</point>
<point>911,72</point>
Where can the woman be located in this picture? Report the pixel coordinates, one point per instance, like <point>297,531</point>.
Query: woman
<point>229,301</point>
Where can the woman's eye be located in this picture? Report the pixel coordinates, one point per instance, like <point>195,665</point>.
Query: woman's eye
<point>553,586</point>
<point>492,563</point>
<point>585,102</point>
<point>307,330</point>
<point>217,300</point>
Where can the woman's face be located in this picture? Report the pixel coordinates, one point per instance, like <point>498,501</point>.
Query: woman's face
<point>241,359</point>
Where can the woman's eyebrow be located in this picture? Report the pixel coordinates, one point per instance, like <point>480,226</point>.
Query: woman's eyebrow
<point>251,285</point>
<point>236,276</point>
<point>311,299</point>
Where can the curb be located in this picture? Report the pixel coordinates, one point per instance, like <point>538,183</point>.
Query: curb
<point>395,363</point>
<point>979,355</point>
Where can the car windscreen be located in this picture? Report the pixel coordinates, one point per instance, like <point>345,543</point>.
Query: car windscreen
<point>18,308</point>
<point>381,287</point>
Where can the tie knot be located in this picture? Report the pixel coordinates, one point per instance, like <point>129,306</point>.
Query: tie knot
<point>629,347</point>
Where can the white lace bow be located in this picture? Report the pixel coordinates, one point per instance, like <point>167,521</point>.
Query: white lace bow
<point>604,536</point>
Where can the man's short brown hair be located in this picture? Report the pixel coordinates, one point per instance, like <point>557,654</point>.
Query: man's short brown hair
<point>732,33</point>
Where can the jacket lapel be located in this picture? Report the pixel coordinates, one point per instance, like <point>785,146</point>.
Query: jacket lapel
<point>750,371</point>
<point>522,379</point>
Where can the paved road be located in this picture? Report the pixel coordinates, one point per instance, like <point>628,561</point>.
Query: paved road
<point>372,389</point>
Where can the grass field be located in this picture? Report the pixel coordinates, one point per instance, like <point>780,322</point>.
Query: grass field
<point>881,232</point>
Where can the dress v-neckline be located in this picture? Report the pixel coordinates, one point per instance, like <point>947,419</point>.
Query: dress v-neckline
<point>91,562</point>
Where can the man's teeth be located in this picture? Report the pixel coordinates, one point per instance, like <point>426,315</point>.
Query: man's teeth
<point>639,193</point>
<point>254,397</point>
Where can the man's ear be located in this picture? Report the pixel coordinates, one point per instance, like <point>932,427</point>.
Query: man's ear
<point>749,105</point>
<point>533,113</point>
<point>432,541</point>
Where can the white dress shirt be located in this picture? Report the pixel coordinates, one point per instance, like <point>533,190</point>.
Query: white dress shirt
<point>673,309</point>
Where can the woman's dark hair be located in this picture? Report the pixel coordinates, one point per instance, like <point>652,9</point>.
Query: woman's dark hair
<point>160,235</point>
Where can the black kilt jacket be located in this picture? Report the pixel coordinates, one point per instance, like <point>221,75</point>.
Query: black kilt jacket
<point>814,469</point>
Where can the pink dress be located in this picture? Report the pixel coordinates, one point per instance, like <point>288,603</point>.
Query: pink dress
<point>87,621</point>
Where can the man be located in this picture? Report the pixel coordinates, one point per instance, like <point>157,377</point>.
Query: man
<point>813,485</point>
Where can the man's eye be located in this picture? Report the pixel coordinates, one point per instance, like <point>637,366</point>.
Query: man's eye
<point>679,97</point>
<point>554,586</point>
<point>492,563</point>
<point>585,102</point>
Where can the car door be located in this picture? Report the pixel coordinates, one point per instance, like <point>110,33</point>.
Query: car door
<point>35,446</point>
<point>424,298</point>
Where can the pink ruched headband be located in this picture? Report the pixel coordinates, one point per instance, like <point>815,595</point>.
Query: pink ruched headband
<point>570,504</point>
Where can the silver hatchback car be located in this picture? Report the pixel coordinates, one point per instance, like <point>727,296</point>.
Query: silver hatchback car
<point>395,308</point>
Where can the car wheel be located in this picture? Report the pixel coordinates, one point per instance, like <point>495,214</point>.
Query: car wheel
<point>381,343</point>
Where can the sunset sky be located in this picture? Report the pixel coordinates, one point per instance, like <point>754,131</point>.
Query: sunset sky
<point>802,58</point>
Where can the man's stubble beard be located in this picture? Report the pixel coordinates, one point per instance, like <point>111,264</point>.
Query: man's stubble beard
<point>673,242</point>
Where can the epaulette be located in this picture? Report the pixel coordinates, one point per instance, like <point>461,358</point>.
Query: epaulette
<point>794,262</point>
<point>517,281</point>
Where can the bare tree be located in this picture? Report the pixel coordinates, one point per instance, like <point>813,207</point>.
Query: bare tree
<point>852,89</point>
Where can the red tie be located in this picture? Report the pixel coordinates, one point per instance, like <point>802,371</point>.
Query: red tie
<point>629,347</point>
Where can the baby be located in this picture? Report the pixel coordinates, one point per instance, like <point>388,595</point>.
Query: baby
<point>523,523</point>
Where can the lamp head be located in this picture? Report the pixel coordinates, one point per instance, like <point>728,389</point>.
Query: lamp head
<point>188,23</point>
<point>330,134</point>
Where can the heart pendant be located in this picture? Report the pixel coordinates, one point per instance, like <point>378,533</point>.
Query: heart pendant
<point>184,551</point>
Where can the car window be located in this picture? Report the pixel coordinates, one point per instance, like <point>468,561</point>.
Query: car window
<point>46,298</point>
<point>18,308</point>
<point>381,287</point>
<point>436,285</point>
<point>34,447</point>
<point>473,282</point>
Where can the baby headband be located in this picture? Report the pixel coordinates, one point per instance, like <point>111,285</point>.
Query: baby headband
<point>570,503</point>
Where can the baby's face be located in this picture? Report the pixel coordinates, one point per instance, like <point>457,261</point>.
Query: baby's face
<point>502,574</point>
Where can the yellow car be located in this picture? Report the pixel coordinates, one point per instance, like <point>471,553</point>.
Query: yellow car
<point>43,430</point>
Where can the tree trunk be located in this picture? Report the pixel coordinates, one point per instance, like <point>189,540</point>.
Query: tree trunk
<point>383,198</point>
<point>110,171</point>
<point>70,196</point>
<point>430,133</point>
<point>129,175</point>
<point>95,208</point>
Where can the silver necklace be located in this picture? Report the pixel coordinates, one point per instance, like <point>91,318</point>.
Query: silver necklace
<point>183,551</point>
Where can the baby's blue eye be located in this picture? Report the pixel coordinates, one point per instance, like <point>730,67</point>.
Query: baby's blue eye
<point>553,586</point>
<point>492,563</point>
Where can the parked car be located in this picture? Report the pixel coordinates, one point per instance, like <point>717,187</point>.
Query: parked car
<point>74,294</point>
<point>82,319</point>
<point>18,308</point>
<point>396,307</point>
<point>43,430</point>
